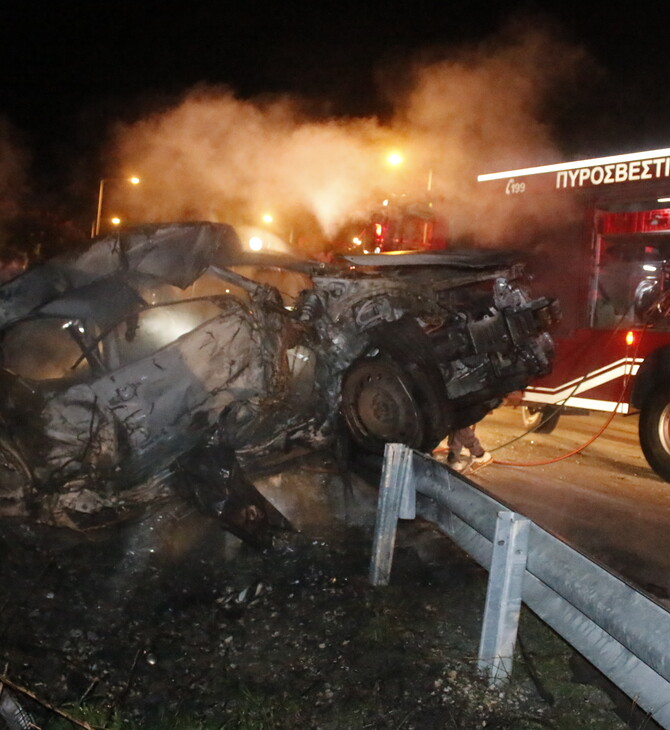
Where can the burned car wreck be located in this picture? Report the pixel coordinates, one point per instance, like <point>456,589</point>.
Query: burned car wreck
<point>163,356</point>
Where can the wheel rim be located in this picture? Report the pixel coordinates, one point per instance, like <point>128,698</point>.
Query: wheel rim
<point>664,428</point>
<point>531,415</point>
<point>379,407</point>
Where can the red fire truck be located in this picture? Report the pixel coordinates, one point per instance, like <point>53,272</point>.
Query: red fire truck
<point>608,261</point>
<point>398,224</point>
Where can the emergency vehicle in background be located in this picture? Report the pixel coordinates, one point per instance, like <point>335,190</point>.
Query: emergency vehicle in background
<point>398,224</point>
<point>609,265</point>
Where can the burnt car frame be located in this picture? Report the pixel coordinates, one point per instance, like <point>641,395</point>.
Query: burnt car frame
<point>121,364</point>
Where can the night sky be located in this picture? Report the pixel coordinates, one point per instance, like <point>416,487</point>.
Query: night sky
<point>68,68</point>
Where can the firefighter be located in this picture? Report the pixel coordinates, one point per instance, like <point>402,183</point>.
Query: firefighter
<point>450,449</point>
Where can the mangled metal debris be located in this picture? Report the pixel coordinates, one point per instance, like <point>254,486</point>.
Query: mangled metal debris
<point>154,360</point>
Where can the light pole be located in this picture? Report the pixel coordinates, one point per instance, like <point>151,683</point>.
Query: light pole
<point>278,227</point>
<point>429,193</point>
<point>101,189</point>
<point>395,159</point>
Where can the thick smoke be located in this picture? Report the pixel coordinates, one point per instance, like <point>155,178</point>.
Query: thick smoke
<point>483,110</point>
<point>216,157</point>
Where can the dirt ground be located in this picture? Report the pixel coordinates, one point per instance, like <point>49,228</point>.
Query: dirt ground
<point>173,624</point>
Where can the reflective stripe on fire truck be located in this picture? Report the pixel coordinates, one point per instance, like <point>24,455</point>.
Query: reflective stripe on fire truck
<point>565,394</point>
<point>649,165</point>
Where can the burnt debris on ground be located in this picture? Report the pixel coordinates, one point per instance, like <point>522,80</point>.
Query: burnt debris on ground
<point>173,623</point>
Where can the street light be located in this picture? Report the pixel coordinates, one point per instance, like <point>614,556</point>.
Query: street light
<point>132,180</point>
<point>395,158</point>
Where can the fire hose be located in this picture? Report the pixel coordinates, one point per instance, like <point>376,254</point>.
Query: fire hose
<point>626,379</point>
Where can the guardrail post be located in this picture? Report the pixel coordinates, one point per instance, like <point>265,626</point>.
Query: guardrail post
<point>397,500</point>
<point>503,597</point>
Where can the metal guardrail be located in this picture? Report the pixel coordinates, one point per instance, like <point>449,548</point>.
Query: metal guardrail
<point>618,629</point>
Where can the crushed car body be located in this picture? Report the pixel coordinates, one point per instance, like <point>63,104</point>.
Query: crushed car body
<point>163,355</point>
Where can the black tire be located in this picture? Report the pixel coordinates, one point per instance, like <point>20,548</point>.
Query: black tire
<point>654,430</point>
<point>540,419</point>
<point>384,402</point>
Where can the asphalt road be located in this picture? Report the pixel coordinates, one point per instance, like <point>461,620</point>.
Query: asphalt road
<point>606,501</point>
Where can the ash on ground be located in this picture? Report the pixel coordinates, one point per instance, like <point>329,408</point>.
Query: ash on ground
<point>172,623</point>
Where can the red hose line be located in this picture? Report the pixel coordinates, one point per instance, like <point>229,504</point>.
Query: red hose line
<point>597,434</point>
<point>562,456</point>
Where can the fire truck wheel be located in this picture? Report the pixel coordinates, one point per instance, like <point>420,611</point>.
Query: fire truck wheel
<point>540,419</point>
<point>383,402</point>
<point>654,430</point>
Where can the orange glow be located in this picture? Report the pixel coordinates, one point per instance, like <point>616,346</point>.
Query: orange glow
<point>115,220</point>
<point>630,338</point>
<point>395,158</point>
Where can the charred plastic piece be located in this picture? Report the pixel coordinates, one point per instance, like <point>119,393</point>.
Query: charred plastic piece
<point>212,477</point>
<point>123,369</point>
<point>14,715</point>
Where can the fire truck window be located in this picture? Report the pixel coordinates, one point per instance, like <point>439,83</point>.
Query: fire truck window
<point>631,271</point>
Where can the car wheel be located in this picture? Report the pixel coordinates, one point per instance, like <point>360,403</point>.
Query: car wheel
<point>654,430</point>
<point>540,419</point>
<point>384,402</point>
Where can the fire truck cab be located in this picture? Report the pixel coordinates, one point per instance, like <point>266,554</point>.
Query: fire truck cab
<point>398,224</point>
<point>608,262</point>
